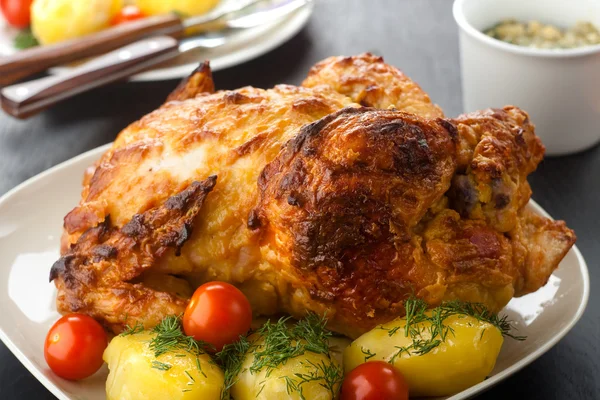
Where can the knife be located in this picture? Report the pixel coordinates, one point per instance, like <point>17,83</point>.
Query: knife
<point>31,61</point>
<point>26,99</point>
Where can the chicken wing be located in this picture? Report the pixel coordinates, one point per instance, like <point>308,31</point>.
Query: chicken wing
<point>343,196</point>
<point>99,275</point>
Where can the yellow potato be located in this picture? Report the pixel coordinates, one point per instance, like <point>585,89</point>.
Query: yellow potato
<point>464,359</point>
<point>185,7</point>
<point>136,374</point>
<point>57,20</point>
<point>280,382</point>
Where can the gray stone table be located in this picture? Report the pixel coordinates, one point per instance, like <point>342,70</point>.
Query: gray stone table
<point>418,36</point>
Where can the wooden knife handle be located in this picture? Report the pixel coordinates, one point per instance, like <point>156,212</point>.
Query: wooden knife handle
<point>28,62</point>
<point>25,99</point>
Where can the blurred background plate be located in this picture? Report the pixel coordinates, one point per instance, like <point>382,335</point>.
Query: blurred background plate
<point>244,46</point>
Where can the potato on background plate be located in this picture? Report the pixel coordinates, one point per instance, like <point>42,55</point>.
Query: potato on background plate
<point>57,20</point>
<point>184,7</point>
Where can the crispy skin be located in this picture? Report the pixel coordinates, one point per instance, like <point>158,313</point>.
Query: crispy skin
<point>199,82</point>
<point>473,260</point>
<point>321,205</point>
<point>339,205</point>
<point>232,134</point>
<point>378,171</point>
<point>367,80</point>
<point>357,204</point>
<point>539,245</point>
<point>97,274</point>
<point>498,149</point>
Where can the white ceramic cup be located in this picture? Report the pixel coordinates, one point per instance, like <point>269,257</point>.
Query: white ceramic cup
<point>559,88</point>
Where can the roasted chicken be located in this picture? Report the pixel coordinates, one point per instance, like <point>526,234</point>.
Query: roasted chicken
<point>342,196</point>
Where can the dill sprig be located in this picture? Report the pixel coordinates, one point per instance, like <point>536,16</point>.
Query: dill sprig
<point>368,354</point>
<point>170,338</point>
<point>192,379</point>
<point>277,342</point>
<point>231,358</point>
<point>199,366</point>
<point>132,330</point>
<point>282,342</point>
<point>328,374</point>
<point>479,312</point>
<point>427,330</point>
<point>161,365</point>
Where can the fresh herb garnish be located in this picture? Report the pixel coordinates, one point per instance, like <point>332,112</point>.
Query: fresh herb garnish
<point>368,354</point>
<point>199,366</point>
<point>231,359</point>
<point>282,343</point>
<point>25,40</point>
<point>132,330</point>
<point>427,330</point>
<point>276,343</point>
<point>393,331</point>
<point>329,374</point>
<point>479,312</point>
<point>189,376</point>
<point>161,366</point>
<point>170,338</point>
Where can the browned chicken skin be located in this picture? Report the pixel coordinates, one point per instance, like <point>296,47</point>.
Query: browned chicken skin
<point>319,203</point>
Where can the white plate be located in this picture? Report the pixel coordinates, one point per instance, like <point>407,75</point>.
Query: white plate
<point>245,46</point>
<point>30,228</point>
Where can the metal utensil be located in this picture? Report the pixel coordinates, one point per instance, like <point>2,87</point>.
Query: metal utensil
<point>265,16</point>
<point>28,62</point>
<point>25,99</point>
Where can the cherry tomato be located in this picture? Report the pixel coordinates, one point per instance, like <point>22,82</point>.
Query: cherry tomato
<point>374,380</point>
<point>127,14</point>
<point>218,314</point>
<point>74,346</point>
<point>17,12</point>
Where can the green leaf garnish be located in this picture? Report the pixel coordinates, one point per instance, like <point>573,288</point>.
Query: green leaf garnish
<point>25,40</point>
<point>428,336</point>
<point>132,330</point>
<point>161,366</point>
<point>170,338</point>
<point>280,343</point>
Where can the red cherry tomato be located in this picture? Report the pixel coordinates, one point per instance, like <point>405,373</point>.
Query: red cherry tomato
<point>218,314</point>
<point>127,14</point>
<point>74,346</point>
<point>16,12</point>
<point>374,380</point>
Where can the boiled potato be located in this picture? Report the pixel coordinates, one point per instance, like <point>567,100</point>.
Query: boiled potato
<point>136,374</point>
<point>279,383</point>
<point>464,359</point>
<point>57,20</point>
<point>184,7</point>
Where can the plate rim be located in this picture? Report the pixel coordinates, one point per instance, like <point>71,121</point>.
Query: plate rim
<point>467,393</point>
